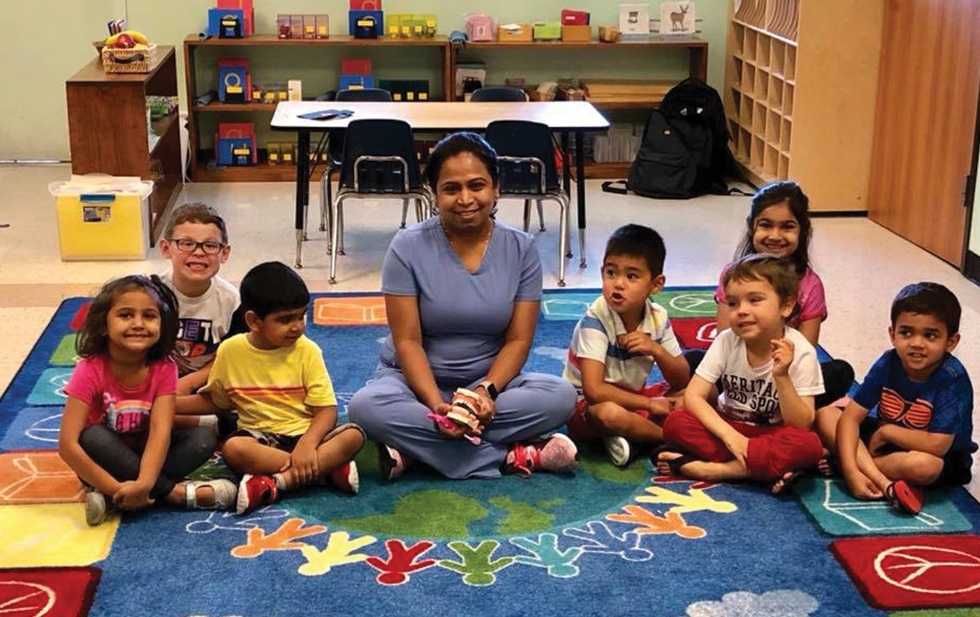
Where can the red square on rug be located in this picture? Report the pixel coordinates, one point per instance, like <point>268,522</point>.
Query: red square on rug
<point>913,572</point>
<point>66,592</point>
<point>694,332</point>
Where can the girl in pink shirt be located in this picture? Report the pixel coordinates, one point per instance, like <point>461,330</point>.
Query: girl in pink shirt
<point>117,428</point>
<point>779,224</point>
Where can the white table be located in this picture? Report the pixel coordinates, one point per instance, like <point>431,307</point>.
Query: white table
<point>566,117</point>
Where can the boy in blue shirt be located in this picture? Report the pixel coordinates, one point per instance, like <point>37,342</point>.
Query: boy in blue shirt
<point>919,429</point>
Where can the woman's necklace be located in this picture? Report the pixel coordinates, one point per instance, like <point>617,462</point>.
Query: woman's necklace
<point>485,241</point>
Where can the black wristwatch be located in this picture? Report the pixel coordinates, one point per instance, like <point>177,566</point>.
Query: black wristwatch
<point>490,388</point>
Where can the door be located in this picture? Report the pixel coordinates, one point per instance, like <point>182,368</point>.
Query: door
<point>924,125</point>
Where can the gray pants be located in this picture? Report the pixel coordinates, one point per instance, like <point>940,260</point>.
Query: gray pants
<point>532,404</point>
<point>189,449</point>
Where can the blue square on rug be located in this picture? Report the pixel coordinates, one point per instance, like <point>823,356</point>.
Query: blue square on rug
<point>33,428</point>
<point>828,503</point>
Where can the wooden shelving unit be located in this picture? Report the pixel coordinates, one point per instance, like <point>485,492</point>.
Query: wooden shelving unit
<point>202,150</point>
<point>260,113</point>
<point>107,129</point>
<point>789,65</point>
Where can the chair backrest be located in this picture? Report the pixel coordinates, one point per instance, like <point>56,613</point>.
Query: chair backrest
<point>367,95</point>
<point>524,139</point>
<point>364,95</point>
<point>498,94</point>
<point>380,138</point>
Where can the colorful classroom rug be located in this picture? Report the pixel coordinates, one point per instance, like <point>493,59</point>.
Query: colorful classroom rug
<point>606,541</point>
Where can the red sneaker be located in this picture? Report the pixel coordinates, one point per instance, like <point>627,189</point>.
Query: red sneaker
<point>255,491</point>
<point>346,478</point>
<point>557,454</point>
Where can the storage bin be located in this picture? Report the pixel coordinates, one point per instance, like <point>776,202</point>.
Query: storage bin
<point>102,217</point>
<point>514,33</point>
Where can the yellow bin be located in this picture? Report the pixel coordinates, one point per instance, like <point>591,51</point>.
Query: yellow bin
<point>103,218</point>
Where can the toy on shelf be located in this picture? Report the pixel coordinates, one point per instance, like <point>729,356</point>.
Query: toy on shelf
<point>355,74</point>
<point>410,26</point>
<point>231,19</point>
<point>406,89</point>
<point>365,24</point>
<point>235,144</point>
<point>226,23</point>
<point>234,81</point>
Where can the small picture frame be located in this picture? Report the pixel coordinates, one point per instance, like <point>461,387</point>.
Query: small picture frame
<point>677,18</point>
<point>634,19</point>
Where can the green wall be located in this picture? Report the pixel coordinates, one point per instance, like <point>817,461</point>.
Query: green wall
<point>47,41</point>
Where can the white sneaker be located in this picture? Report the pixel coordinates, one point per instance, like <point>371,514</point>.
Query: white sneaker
<point>225,494</point>
<point>620,450</point>
<point>96,510</point>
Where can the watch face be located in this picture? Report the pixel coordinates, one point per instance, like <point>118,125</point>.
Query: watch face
<point>491,390</point>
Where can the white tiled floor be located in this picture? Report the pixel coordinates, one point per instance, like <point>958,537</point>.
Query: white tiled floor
<point>862,265</point>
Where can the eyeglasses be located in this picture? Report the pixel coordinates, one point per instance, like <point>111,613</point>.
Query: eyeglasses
<point>186,245</point>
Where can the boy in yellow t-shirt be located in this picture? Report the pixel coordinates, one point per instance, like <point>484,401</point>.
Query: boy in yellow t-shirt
<point>276,378</point>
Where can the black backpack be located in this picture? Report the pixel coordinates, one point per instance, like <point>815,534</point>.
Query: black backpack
<point>663,167</point>
<point>684,152</point>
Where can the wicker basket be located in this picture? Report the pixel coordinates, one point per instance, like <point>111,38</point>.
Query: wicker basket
<point>136,60</point>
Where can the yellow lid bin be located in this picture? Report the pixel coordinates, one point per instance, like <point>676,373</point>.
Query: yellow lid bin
<point>102,217</point>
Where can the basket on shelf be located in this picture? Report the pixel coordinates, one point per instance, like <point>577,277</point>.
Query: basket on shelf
<point>133,60</point>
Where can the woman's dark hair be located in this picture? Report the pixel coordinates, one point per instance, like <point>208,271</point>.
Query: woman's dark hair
<point>273,286</point>
<point>459,143</point>
<point>93,339</point>
<point>792,195</point>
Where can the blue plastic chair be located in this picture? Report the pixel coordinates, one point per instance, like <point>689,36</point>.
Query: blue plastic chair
<point>509,94</point>
<point>378,162</point>
<point>498,94</point>
<point>528,171</point>
<point>335,150</point>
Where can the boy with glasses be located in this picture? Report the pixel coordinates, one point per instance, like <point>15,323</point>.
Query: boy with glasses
<point>196,243</point>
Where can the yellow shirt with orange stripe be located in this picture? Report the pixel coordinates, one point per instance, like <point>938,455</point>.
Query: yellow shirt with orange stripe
<point>273,390</point>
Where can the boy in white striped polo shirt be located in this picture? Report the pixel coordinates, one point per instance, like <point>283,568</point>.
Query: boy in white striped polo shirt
<point>616,344</point>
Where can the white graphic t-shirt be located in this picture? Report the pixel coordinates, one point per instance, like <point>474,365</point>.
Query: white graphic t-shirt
<point>750,394</point>
<point>204,322</point>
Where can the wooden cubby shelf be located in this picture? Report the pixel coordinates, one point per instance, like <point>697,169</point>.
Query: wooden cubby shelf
<point>765,62</point>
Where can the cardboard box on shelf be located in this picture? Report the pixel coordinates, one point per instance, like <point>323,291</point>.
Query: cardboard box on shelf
<point>515,33</point>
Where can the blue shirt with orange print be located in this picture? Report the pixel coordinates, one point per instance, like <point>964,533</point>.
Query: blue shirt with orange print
<point>943,404</point>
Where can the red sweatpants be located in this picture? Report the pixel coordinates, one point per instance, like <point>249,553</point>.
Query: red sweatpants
<point>578,425</point>
<point>772,452</point>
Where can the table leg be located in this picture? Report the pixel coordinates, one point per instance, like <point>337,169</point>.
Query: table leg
<point>580,195</point>
<point>302,189</point>
<point>566,177</point>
